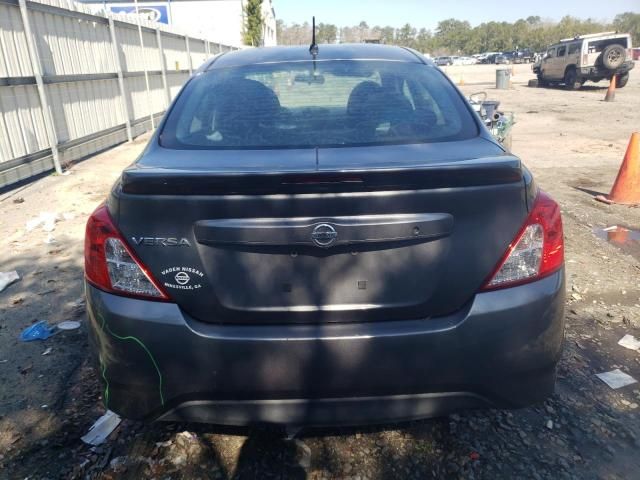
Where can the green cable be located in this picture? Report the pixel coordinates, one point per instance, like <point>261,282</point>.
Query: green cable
<point>106,328</point>
<point>106,384</point>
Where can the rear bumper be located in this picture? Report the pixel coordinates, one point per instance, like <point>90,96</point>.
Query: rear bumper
<point>599,72</point>
<point>158,363</point>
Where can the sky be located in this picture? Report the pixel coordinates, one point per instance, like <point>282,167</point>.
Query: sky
<point>427,13</point>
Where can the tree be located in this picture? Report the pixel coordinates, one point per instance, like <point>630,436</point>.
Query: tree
<point>405,36</point>
<point>253,22</point>
<point>387,34</point>
<point>456,37</point>
<point>453,33</point>
<point>534,20</point>
<point>280,29</point>
<point>629,22</point>
<point>424,41</point>
<point>326,33</point>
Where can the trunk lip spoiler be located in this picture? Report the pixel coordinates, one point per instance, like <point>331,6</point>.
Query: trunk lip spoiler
<point>477,172</point>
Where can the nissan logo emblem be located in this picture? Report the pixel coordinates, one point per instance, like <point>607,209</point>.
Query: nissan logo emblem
<point>324,235</point>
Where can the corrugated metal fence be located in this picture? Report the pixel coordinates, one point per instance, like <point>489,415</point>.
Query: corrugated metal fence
<point>73,83</point>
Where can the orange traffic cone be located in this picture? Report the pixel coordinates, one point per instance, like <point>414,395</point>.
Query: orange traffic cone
<point>626,188</point>
<point>611,91</point>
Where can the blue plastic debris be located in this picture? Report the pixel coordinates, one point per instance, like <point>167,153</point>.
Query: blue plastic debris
<point>37,331</point>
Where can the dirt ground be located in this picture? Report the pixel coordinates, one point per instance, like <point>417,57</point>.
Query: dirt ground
<point>572,141</point>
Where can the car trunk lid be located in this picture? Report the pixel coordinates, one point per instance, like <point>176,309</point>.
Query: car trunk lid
<point>328,235</point>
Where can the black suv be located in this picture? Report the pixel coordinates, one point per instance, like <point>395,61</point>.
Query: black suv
<point>326,238</point>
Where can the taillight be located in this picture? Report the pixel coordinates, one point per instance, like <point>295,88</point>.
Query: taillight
<point>536,251</point>
<point>110,265</point>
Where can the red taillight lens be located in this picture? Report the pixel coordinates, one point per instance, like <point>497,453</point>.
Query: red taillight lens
<point>110,265</point>
<point>536,251</point>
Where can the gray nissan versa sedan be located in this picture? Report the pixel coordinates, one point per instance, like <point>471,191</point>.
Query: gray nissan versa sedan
<point>326,238</point>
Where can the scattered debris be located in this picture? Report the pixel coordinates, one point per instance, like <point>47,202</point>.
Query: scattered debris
<point>118,464</point>
<point>27,369</point>
<point>626,239</point>
<point>630,342</point>
<point>69,325</point>
<point>101,429</point>
<point>549,424</point>
<point>50,239</point>
<point>18,200</point>
<point>7,278</point>
<point>303,454</point>
<point>185,448</point>
<point>46,219</point>
<point>499,123</point>
<point>47,351</point>
<point>77,308</point>
<point>38,331</point>
<point>105,459</point>
<point>616,378</point>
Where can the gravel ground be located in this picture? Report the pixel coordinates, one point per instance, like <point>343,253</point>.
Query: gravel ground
<point>572,141</point>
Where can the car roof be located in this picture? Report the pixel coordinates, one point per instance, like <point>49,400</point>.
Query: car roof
<point>591,36</point>
<point>362,51</point>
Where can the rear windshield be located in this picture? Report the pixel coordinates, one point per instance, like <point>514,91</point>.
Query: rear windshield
<point>329,103</point>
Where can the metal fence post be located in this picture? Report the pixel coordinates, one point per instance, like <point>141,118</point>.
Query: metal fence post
<point>163,67</point>
<point>123,92</point>
<point>186,40</point>
<point>36,65</point>
<point>146,70</point>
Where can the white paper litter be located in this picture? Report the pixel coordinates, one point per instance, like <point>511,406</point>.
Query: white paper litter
<point>47,351</point>
<point>616,378</point>
<point>46,219</point>
<point>630,342</point>
<point>7,278</point>
<point>102,428</point>
<point>68,325</point>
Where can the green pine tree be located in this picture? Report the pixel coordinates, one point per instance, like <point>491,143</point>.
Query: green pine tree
<point>253,23</point>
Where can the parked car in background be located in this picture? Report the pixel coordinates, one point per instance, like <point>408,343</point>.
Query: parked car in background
<point>501,59</point>
<point>271,258</point>
<point>468,61</point>
<point>593,57</point>
<point>522,56</point>
<point>491,57</point>
<point>636,53</point>
<point>443,61</point>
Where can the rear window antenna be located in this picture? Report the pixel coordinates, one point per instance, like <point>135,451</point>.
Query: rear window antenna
<point>313,49</point>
